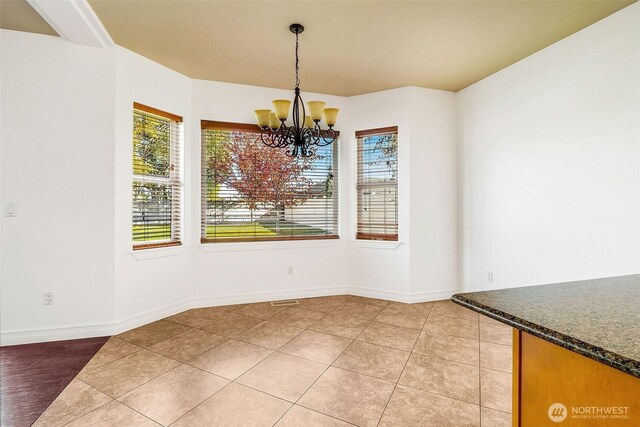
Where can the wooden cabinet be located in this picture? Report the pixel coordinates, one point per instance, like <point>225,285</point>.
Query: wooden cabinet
<point>553,386</point>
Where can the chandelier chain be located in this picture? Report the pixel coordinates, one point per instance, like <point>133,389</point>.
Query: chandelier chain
<point>297,67</point>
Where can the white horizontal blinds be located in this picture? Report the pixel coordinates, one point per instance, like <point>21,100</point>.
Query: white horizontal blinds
<point>377,184</point>
<point>251,192</point>
<point>156,178</point>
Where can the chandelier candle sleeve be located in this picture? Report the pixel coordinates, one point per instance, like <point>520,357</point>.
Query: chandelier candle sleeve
<point>316,108</point>
<point>308,122</point>
<point>281,106</point>
<point>330,116</point>
<point>262,117</point>
<point>274,123</point>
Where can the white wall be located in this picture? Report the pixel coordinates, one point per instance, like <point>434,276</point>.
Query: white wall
<point>549,154</point>
<point>423,265</point>
<point>381,267</point>
<point>433,178</point>
<point>151,285</point>
<point>58,167</point>
<point>232,272</point>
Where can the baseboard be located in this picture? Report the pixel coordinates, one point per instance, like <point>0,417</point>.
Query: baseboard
<point>268,296</point>
<point>29,336</point>
<point>96,330</point>
<point>409,298</point>
<point>150,316</point>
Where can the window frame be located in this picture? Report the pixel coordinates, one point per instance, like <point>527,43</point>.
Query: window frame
<point>173,181</point>
<point>246,127</point>
<point>360,236</point>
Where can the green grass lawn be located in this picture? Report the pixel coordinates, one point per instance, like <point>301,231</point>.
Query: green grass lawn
<point>143,233</point>
<point>285,228</point>
<point>250,229</point>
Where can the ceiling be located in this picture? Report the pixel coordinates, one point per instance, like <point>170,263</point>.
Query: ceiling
<point>20,16</point>
<point>348,47</point>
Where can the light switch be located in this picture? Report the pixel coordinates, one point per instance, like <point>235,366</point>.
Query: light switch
<point>12,210</point>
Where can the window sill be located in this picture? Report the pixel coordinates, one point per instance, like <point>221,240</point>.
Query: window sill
<point>269,245</point>
<point>144,254</point>
<point>378,244</point>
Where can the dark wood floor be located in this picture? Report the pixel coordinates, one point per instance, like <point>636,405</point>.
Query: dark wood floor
<point>32,376</point>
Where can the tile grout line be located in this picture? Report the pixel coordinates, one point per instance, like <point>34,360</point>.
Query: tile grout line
<point>194,408</point>
<point>354,340</point>
<point>319,376</point>
<point>82,415</point>
<point>432,392</point>
<point>88,412</point>
<point>323,372</point>
<point>402,371</point>
<point>106,403</point>
<point>114,360</point>
<point>479,373</point>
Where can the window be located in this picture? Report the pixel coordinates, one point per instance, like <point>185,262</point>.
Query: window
<point>251,192</point>
<point>156,177</point>
<point>377,184</point>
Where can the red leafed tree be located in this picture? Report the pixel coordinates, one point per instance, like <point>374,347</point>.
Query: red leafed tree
<point>267,176</point>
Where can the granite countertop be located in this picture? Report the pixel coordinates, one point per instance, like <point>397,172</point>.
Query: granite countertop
<point>597,318</point>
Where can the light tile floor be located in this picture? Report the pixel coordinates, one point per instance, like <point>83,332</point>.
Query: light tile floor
<point>329,361</point>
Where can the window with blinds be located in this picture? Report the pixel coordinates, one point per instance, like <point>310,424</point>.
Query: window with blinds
<point>157,186</point>
<point>251,192</point>
<point>377,184</point>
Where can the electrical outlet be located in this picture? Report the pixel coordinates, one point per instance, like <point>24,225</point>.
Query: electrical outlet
<point>47,298</point>
<point>291,270</point>
<point>490,277</point>
<point>11,210</point>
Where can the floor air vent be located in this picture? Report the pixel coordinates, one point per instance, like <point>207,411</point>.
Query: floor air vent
<point>285,302</point>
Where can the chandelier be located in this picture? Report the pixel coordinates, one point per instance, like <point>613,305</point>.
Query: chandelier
<point>305,132</point>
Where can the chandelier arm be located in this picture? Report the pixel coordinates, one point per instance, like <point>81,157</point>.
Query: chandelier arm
<point>309,142</point>
<point>307,136</point>
<point>331,133</point>
<point>292,136</point>
<point>283,138</point>
<point>265,133</point>
<point>268,139</point>
<point>271,138</point>
<point>292,152</point>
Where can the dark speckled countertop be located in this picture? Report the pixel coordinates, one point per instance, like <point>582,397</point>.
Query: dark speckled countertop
<point>598,318</point>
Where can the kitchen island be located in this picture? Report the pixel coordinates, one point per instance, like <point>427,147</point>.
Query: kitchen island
<point>576,350</point>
